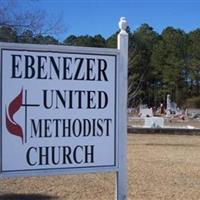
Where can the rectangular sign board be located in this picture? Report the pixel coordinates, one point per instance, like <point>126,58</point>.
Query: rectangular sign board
<point>58,109</point>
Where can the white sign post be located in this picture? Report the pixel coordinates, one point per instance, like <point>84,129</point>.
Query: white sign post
<point>63,110</point>
<point>123,73</point>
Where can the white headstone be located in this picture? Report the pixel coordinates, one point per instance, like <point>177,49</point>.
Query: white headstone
<point>154,122</point>
<point>146,112</point>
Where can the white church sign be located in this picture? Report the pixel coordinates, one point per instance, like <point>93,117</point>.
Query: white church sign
<point>63,110</point>
<point>58,108</point>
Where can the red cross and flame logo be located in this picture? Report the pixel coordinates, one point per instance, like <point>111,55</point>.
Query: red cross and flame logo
<point>12,126</point>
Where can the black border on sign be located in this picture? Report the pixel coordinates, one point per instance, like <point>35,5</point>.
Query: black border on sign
<point>115,111</point>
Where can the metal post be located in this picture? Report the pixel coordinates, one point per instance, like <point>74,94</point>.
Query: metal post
<point>121,193</point>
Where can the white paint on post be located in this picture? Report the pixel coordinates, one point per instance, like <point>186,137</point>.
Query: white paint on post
<point>122,46</point>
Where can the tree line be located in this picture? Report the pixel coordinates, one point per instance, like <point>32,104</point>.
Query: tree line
<point>159,63</point>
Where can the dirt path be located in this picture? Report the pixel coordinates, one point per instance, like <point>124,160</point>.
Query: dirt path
<point>160,167</point>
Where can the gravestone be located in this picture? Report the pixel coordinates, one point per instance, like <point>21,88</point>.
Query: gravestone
<point>146,112</point>
<point>154,122</point>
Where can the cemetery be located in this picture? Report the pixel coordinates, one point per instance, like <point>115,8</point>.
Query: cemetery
<point>170,117</point>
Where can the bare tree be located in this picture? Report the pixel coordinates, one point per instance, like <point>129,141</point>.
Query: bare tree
<point>21,19</point>
<point>134,88</point>
<point>132,92</point>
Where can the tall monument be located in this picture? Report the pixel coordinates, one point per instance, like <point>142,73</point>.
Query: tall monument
<point>168,109</point>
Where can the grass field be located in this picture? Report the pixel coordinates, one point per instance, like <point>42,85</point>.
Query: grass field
<point>160,167</point>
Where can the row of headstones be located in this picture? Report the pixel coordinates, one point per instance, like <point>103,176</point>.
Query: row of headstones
<point>171,109</point>
<point>158,122</point>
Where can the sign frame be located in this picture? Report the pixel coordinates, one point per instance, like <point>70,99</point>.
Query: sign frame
<point>73,50</point>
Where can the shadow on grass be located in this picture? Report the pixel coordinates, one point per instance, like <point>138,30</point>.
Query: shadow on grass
<point>26,197</point>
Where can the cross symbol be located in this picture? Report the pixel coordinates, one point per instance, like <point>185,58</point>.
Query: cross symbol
<point>26,105</point>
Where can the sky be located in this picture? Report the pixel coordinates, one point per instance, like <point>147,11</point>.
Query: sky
<point>93,17</point>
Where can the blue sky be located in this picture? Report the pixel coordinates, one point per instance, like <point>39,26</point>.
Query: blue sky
<point>92,17</point>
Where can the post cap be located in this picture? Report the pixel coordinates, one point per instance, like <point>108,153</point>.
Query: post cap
<point>123,24</point>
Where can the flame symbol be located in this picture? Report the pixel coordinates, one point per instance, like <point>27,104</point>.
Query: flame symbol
<point>11,124</point>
